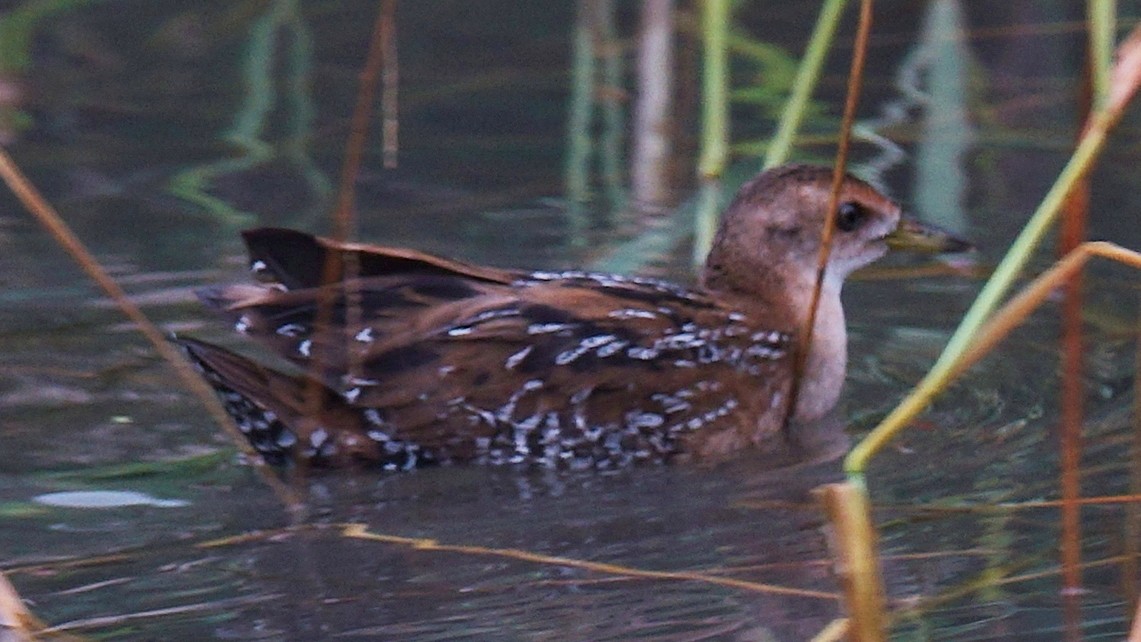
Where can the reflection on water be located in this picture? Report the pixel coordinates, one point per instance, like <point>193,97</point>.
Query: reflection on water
<point>156,142</point>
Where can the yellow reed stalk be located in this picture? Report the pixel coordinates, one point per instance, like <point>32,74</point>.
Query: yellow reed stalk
<point>853,543</point>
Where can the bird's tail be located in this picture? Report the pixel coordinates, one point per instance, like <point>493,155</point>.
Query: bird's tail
<point>262,402</point>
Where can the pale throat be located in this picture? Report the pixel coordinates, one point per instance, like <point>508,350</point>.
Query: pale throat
<point>824,370</point>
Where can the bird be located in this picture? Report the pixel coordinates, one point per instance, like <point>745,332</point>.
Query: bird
<point>420,360</point>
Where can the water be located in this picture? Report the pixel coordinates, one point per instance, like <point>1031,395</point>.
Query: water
<point>156,141</point>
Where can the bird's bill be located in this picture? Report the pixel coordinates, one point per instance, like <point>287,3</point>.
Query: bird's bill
<point>916,236</point>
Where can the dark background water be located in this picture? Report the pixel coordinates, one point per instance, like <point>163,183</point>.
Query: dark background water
<point>161,129</point>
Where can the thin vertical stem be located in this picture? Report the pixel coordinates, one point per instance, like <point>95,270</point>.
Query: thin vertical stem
<point>613,106</point>
<point>342,266</point>
<point>805,82</point>
<point>715,89</point>
<point>1133,509</point>
<point>1101,15</point>
<point>1073,232</point>
<point>390,81</point>
<point>714,120</point>
<point>1073,364</point>
<point>855,82</point>
<point>853,544</point>
<point>650,162</point>
<point>343,223</point>
<point>576,176</point>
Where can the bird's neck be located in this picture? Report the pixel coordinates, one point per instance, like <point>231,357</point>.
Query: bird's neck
<point>827,361</point>
<point>781,302</point>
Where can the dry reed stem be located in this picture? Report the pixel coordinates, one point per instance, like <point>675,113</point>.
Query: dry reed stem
<point>847,507</point>
<point>1018,308</point>
<point>855,82</point>
<point>344,223</point>
<point>391,81</point>
<point>16,620</point>
<point>853,544</point>
<point>912,608</point>
<point>66,238</point>
<point>344,217</point>
<point>1132,529</point>
<point>360,531</point>
<point>1072,234</point>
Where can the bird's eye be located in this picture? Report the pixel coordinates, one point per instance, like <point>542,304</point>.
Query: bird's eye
<point>850,216</point>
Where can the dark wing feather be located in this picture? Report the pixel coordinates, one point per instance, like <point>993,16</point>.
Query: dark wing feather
<point>297,260</point>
